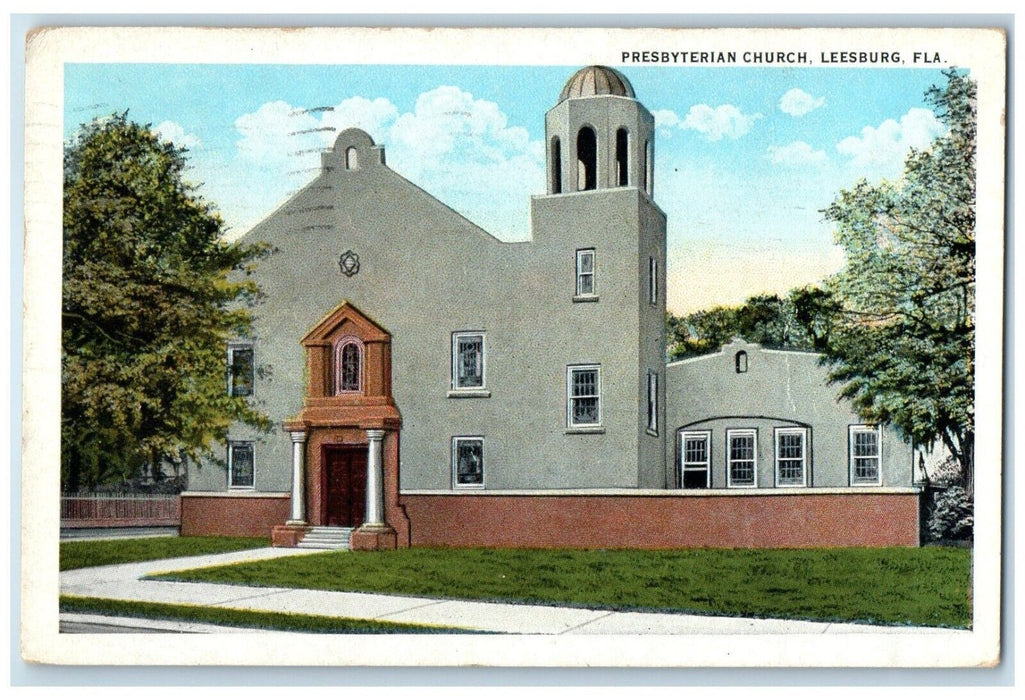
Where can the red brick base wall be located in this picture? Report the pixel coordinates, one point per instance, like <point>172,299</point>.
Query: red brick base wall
<point>229,516</point>
<point>654,522</point>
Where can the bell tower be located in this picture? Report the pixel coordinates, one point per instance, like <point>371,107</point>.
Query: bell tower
<point>598,135</point>
<point>600,240</point>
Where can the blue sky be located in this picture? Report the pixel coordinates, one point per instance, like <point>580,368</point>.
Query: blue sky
<point>744,158</point>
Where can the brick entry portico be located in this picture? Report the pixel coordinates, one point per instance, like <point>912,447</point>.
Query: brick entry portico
<point>348,407</point>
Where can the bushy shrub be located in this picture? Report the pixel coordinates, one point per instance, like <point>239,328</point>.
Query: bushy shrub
<point>952,516</point>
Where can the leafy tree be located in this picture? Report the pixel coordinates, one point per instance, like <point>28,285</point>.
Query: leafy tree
<point>148,306</point>
<point>904,346</point>
<point>801,320</point>
<point>700,332</point>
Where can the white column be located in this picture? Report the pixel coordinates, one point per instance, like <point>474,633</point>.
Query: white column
<point>298,478</point>
<point>375,479</point>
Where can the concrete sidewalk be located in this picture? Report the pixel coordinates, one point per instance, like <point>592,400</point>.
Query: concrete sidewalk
<point>123,582</point>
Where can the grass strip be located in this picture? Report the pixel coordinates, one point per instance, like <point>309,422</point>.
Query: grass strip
<point>894,586</point>
<point>84,553</point>
<point>250,619</point>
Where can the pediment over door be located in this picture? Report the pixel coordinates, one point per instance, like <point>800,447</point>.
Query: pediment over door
<point>345,320</point>
<point>344,336</point>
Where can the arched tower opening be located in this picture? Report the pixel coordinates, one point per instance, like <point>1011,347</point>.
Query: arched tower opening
<point>622,169</point>
<point>555,166</point>
<point>587,159</point>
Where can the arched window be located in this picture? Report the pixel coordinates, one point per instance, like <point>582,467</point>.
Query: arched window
<point>351,158</point>
<point>740,360</point>
<point>348,366</point>
<point>587,159</point>
<point>621,158</point>
<point>556,166</point>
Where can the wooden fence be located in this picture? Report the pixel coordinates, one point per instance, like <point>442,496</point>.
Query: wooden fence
<point>122,510</point>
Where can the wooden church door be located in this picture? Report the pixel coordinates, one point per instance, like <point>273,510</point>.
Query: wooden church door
<point>345,494</point>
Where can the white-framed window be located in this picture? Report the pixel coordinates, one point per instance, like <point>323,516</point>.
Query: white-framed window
<point>791,456</point>
<point>585,272</point>
<point>742,458</point>
<point>652,280</point>
<point>865,454</point>
<point>653,402</point>
<point>241,369</point>
<point>348,366</point>
<point>241,471</point>
<point>468,360</point>
<point>583,395</point>
<point>468,462</point>
<point>695,459</point>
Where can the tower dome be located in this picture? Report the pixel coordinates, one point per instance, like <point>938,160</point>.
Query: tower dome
<point>596,80</point>
<point>597,141</point>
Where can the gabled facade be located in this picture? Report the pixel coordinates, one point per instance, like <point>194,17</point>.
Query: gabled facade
<point>472,380</point>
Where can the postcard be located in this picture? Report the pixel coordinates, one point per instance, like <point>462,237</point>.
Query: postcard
<point>513,347</point>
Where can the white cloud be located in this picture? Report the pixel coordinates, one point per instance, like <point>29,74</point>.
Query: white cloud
<point>796,154</point>
<point>175,133</point>
<point>459,148</point>
<point>880,151</point>
<point>796,102</point>
<point>373,116</point>
<point>717,122</point>
<point>450,123</point>
<point>464,151</point>
<point>665,119</point>
<point>274,134</point>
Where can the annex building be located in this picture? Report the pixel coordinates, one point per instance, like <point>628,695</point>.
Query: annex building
<point>433,385</point>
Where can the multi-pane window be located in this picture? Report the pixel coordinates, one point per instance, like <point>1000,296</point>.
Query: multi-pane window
<point>240,465</point>
<point>652,280</point>
<point>468,462</point>
<point>585,272</point>
<point>241,370</point>
<point>741,456</point>
<point>865,454</point>
<point>790,456</point>
<point>653,401</point>
<point>584,395</point>
<point>348,366</point>
<point>467,360</point>
<point>694,460</point>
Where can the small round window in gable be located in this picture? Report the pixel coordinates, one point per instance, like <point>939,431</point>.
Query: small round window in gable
<point>741,362</point>
<point>349,263</point>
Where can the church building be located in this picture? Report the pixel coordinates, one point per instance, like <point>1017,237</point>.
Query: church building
<point>431,384</point>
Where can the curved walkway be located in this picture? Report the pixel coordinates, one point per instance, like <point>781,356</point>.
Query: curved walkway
<point>123,582</point>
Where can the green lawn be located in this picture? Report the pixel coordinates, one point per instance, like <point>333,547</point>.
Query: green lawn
<point>80,554</point>
<point>244,618</point>
<point>924,586</point>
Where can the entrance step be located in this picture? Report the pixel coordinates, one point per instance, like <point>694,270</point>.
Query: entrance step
<point>326,538</point>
